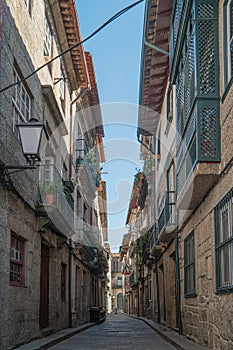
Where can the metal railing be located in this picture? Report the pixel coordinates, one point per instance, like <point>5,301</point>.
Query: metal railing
<point>85,159</point>
<point>167,215</point>
<point>51,184</point>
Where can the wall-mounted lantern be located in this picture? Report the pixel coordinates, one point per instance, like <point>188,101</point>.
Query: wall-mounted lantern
<point>30,137</point>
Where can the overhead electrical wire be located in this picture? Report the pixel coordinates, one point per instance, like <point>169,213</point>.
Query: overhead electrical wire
<point>113,18</point>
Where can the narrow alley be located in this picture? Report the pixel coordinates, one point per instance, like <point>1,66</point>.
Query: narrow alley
<point>117,332</point>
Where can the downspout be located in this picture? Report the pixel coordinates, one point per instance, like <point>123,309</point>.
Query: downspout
<point>157,290</point>
<point>178,274</point>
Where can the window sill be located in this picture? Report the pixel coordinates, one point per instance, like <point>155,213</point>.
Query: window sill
<point>190,295</point>
<point>227,89</point>
<point>224,291</point>
<point>17,285</point>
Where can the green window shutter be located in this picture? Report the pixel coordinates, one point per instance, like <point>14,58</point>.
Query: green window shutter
<point>207,47</point>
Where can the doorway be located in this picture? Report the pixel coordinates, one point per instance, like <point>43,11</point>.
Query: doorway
<point>44,287</point>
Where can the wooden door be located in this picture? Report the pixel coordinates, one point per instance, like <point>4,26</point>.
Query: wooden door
<point>44,287</point>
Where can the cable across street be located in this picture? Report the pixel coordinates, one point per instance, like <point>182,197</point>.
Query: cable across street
<point>113,18</point>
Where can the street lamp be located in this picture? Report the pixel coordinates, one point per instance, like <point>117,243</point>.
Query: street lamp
<point>30,137</point>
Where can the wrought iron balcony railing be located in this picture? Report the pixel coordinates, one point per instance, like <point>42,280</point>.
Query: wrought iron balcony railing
<point>166,221</point>
<point>87,166</point>
<point>55,199</point>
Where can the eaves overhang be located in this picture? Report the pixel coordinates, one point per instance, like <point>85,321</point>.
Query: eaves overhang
<point>154,64</point>
<point>93,98</point>
<point>68,32</point>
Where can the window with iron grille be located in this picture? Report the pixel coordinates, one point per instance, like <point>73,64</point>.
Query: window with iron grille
<point>17,261</point>
<point>21,102</point>
<point>63,281</point>
<point>224,243</point>
<point>189,265</point>
<point>228,38</point>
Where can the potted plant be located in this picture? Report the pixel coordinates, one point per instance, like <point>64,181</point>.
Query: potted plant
<point>49,191</point>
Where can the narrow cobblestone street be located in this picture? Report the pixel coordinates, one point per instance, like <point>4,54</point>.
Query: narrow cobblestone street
<point>117,332</point>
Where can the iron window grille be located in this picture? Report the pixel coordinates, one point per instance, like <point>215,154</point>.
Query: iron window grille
<point>17,261</point>
<point>189,266</point>
<point>224,243</point>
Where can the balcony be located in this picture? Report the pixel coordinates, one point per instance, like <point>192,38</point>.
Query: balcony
<point>86,167</point>
<point>166,222</point>
<point>198,154</point>
<point>197,100</point>
<point>132,280</point>
<point>55,201</point>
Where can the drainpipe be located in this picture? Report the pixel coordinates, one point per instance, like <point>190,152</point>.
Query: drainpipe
<point>178,274</point>
<point>69,284</point>
<point>157,289</point>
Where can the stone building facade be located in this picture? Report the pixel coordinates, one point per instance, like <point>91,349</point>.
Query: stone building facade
<point>188,135</point>
<point>116,282</point>
<point>53,226</point>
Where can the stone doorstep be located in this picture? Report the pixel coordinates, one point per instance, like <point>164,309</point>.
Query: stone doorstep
<point>55,338</point>
<point>180,342</point>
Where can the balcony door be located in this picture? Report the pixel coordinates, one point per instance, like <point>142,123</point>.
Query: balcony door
<point>171,193</point>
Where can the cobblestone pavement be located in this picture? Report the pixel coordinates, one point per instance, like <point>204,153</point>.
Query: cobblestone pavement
<point>117,332</point>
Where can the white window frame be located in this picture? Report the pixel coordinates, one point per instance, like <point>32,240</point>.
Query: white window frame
<point>28,4</point>
<point>62,85</point>
<point>49,169</point>
<point>47,38</point>
<point>228,41</point>
<point>21,103</point>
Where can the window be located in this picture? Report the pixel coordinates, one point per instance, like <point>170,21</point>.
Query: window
<point>63,281</point>
<point>21,102</point>
<point>47,39</point>
<point>159,145</point>
<point>224,243</point>
<point>119,282</point>
<point>28,4</point>
<point>62,85</point>
<point>228,37</point>
<point>49,168</point>
<point>189,265</point>
<point>171,193</point>
<point>17,261</point>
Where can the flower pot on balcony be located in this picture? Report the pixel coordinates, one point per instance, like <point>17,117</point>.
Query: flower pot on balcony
<point>49,198</point>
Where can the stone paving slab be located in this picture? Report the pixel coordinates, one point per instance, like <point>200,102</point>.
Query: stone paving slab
<point>180,342</point>
<point>55,338</point>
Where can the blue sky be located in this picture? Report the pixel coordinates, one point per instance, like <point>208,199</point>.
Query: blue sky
<point>116,52</point>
